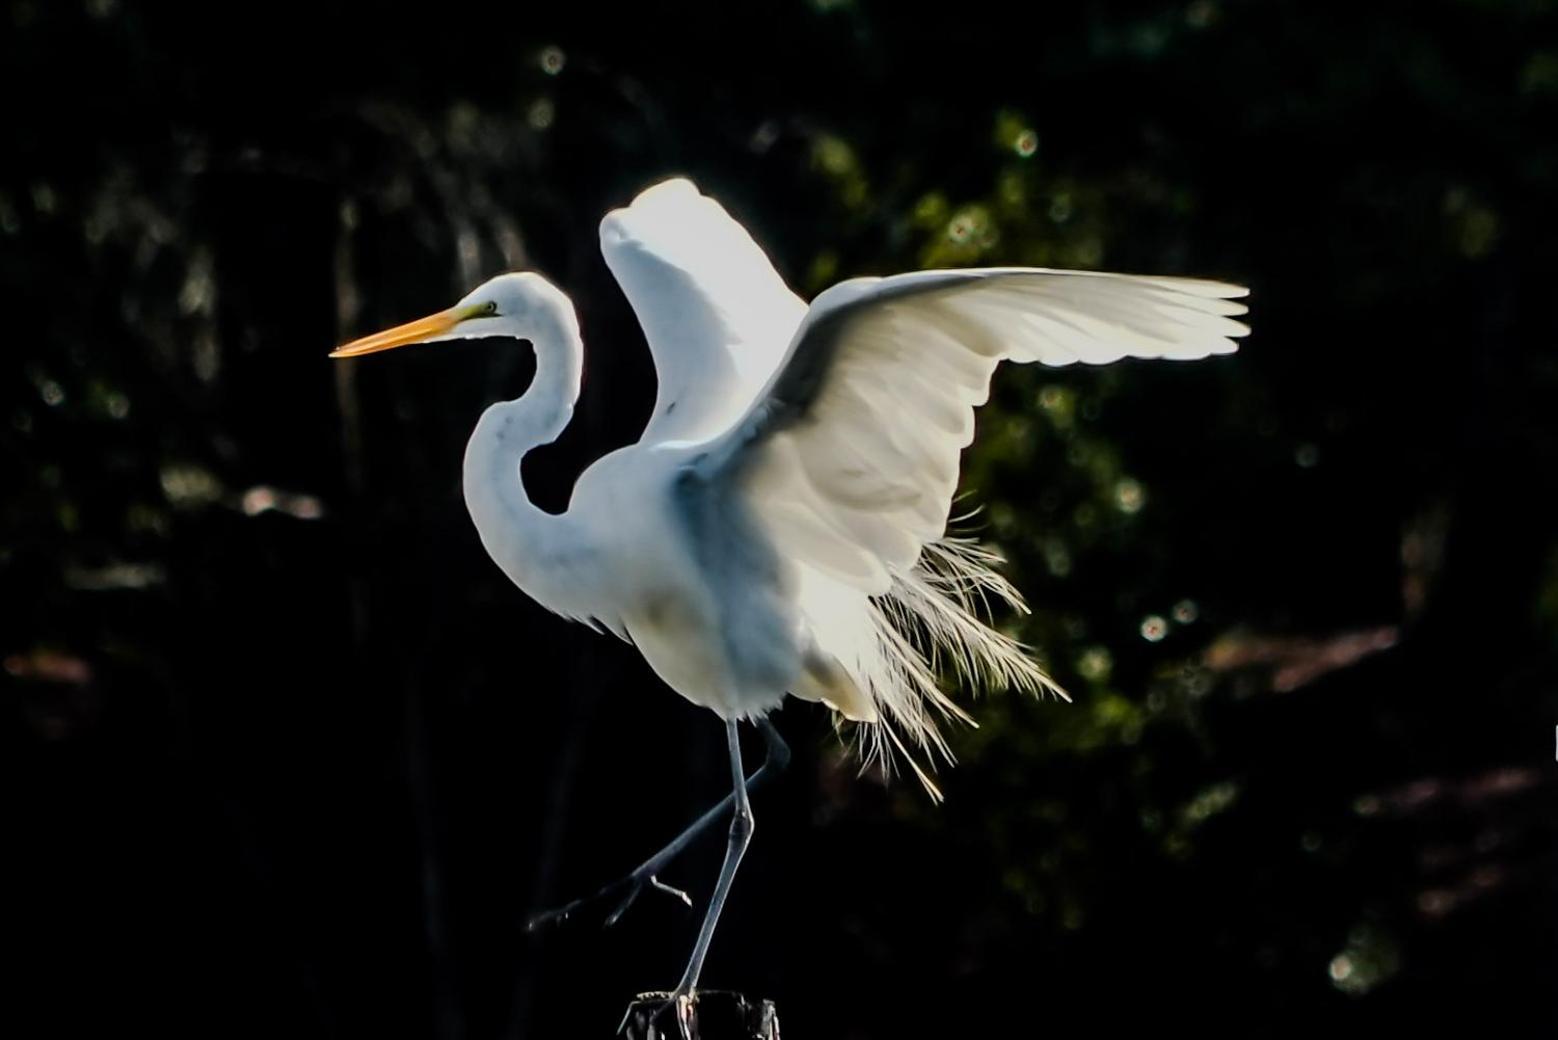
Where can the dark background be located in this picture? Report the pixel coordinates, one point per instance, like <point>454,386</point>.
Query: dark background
<point>285,755</point>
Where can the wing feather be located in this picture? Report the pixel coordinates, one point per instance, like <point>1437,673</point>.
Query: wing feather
<point>848,459</point>
<point>874,399</point>
<point>715,312</point>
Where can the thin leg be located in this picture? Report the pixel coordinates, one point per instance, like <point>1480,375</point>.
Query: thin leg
<point>741,825</point>
<point>627,889</point>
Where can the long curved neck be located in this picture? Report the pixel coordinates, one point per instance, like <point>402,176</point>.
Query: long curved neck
<point>531,545</point>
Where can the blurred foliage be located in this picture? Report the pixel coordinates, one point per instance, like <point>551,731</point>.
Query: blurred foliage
<point>285,752</point>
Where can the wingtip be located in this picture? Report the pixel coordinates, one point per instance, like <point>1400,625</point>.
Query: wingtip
<point>678,185</point>
<point>1211,288</point>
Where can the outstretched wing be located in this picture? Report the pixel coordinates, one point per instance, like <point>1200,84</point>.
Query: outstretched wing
<point>849,456</point>
<point>717,315</point>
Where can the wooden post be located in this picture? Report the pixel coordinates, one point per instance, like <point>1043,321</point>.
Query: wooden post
<point>706,1015</point>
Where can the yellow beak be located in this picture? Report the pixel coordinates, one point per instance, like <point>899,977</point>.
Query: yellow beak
<point>401,335</point>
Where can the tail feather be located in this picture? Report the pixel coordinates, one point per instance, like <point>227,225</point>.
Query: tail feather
<point>930,619</point>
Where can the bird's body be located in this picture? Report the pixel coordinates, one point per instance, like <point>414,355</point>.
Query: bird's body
<point>780,528</point>
<point>628,555</point>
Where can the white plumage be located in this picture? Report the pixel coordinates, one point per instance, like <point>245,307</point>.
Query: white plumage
<point>715,312</point>
<point>780,528</point>
<point>781,525</point>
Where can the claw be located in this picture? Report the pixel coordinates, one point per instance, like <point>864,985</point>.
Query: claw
<point>670,890</point>
<point>633,883</point>
<point>682,1001</point>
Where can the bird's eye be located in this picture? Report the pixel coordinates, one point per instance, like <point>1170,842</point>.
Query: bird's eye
<point>491,307</point>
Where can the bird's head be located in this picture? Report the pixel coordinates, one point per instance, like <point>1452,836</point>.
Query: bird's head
<point>508,305</point>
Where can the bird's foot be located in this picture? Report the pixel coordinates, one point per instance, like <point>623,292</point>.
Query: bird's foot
<point>635,888</point>
<point>628,889</point>
<point>683,1001</point>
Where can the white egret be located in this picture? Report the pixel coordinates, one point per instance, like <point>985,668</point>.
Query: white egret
<point>780,528</point>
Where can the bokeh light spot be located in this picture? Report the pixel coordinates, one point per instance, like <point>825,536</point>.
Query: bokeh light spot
<point>1095,664</point>
<point>541,114</point>
<point>1129,496</point>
